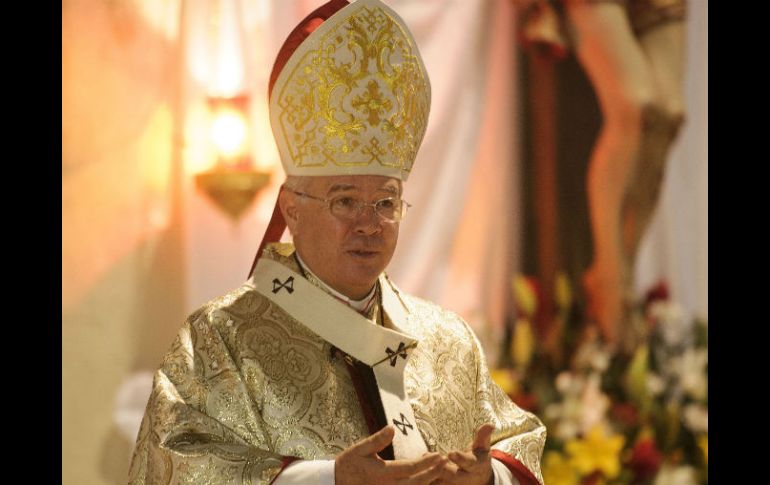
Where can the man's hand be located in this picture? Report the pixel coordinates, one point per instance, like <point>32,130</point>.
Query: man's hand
<point>360,464</point>
<point>473,466</point>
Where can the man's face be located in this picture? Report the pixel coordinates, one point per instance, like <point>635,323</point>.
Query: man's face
<point>348,255</point>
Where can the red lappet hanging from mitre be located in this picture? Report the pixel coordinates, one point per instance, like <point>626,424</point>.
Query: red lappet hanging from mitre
<point>277,224</point>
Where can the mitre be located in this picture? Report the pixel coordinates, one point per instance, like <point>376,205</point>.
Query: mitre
<point>349,93</point>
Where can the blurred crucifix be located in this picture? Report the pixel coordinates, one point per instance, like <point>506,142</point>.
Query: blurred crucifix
<point>633,53</point>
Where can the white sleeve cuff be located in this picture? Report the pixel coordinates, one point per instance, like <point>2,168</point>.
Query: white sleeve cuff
<point>321,472</point>
<point>503,475</point>
<point>307,472</point>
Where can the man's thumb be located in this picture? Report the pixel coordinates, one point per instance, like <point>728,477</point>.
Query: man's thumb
<point>375,443</point>
<point>483,437</point>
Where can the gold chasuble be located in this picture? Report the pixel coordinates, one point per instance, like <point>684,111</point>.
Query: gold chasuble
<point>267,374</point>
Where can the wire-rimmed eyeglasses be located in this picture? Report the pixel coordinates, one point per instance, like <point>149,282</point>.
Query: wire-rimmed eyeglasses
<point>389,209</point>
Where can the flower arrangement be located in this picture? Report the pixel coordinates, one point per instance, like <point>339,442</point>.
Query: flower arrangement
<point>636,415</point>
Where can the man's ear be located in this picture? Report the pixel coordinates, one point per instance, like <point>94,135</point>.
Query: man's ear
<point>287,202</point>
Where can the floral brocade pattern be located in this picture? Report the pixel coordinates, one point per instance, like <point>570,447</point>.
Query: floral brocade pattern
<point>357,96</point>
<point>452,393</point>
<point>244,386</point>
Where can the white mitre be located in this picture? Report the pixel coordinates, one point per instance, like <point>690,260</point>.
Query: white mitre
<point>353,98</point>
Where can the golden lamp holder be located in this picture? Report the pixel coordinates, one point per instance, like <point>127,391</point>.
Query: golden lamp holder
<point>233,183</point>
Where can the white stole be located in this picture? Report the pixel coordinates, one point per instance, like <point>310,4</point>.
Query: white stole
<point>383,349</point>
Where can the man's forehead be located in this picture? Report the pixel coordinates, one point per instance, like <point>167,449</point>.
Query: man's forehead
<point>341,183</point>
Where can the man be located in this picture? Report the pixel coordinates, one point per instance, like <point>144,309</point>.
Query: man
<point>318,369</point>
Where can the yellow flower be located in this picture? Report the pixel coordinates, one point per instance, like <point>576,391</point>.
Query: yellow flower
<point>557,470</point>
<point>505,380</point>
<point>596,451</point>
<point>563,292</point>
<point>522,343</point>
<point>524,296</point>
<point>637,377</point>
<point>703,444</point>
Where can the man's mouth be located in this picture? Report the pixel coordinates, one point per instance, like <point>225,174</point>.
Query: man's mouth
<point>363,253</point>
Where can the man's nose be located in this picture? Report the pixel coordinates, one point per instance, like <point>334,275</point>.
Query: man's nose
<point>367,221</point>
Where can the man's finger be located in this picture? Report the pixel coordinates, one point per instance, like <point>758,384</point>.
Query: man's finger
<point>374,443</point>
<point>450,474</point>
<point>464,459</point>
<point>407,468</point>
<point>482,440</point>
<point>452,468</point>
<point>425,477</point>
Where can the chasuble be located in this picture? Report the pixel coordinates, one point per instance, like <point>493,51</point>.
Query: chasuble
<point>279,370</point>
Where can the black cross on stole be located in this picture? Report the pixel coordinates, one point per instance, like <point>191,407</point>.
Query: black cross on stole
<point>403,424</point>
<point>393,354</point>
<point>288,285</point>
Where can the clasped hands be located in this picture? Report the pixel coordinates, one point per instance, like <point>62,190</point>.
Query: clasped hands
<point>360,464</point>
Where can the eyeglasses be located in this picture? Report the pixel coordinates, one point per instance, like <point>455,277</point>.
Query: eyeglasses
<point>389,209</point>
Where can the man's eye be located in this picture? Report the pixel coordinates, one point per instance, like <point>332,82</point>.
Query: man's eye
<point>346,202</point>
<point>386,203</point>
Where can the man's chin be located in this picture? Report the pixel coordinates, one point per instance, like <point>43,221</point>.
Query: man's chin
<point>361,274</point>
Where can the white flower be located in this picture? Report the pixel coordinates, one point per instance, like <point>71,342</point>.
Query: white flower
<point>676,475</point>
<point>655,384</point>
<point>582,405</point>
<point>696,418</point>
<point>593,355</point>
<point>568,384</point>
<point>566,430</point>
<point>562,381</point>
<point>693,373</point>
<point>600,360</point>
<point>672,323</point>
<point>594,403</point>
<point>565,416</point>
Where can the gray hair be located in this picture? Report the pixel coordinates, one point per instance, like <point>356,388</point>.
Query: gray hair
<point>301,183</point>
<point>297,182</point>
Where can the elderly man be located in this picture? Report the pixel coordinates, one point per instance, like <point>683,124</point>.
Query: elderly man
<point>318,369</point>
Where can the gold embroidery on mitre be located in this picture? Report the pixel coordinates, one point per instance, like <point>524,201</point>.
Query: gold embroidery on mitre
<point>353,98</point>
